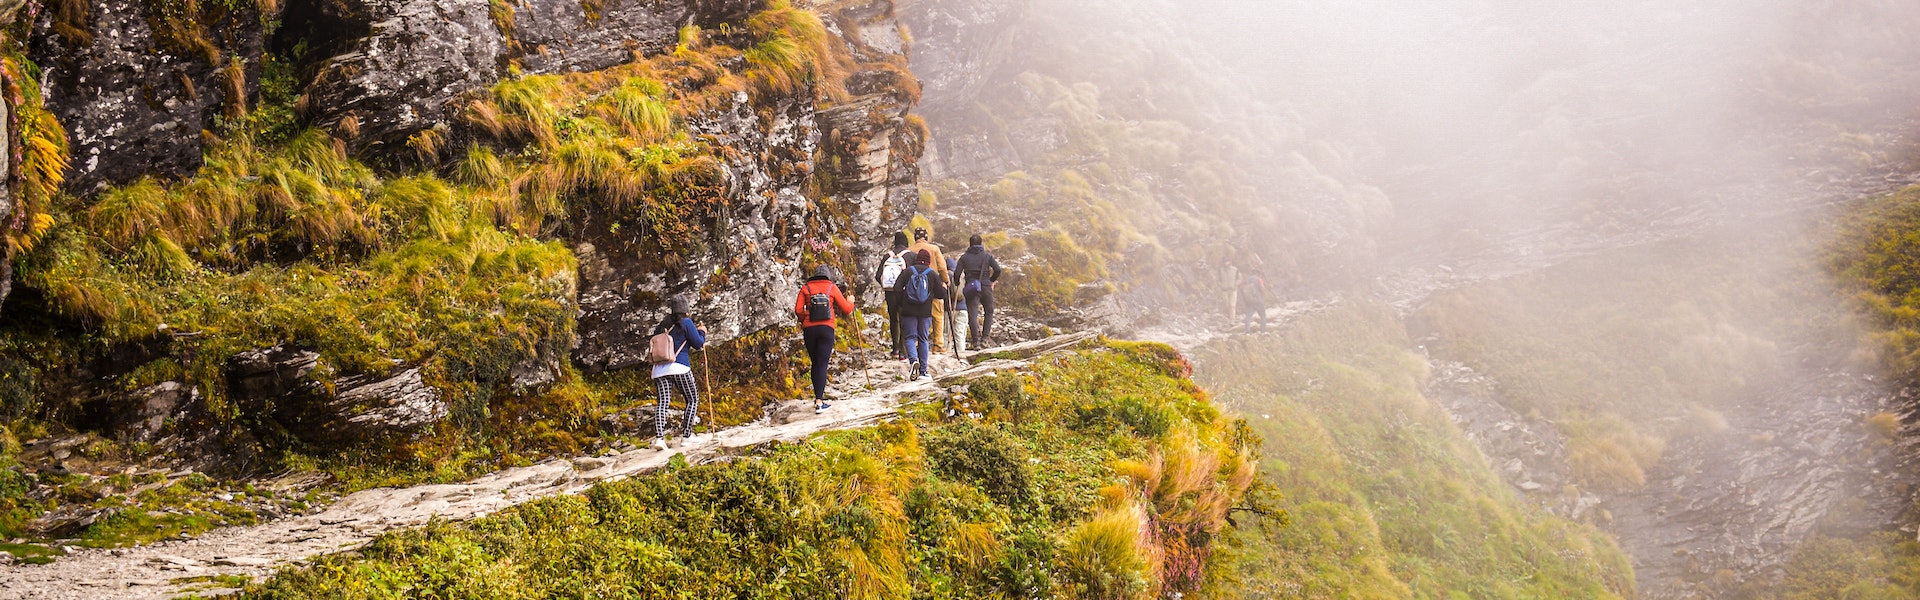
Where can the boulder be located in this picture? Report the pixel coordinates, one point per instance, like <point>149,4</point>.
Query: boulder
<point>153,406</point>
<point>289,387</point>
<point>557,36</point>
<point>371,408</point>
<point>270,372</point>
<point>404,74</point>
<point>134,106</point>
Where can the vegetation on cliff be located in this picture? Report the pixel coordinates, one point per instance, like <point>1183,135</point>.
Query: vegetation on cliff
<point>1876,257</point>
<point>449,260</point>
<point>1102,473</point>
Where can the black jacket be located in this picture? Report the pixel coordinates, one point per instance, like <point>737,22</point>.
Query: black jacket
<point>936,289</point>
<point>978,264</point>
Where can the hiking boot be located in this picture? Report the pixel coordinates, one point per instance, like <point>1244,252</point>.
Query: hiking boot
<point>821,406</point>
<point>923,377</point>
<point>659,443</point>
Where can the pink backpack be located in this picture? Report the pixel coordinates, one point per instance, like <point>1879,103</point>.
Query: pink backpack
<point>660,348</point>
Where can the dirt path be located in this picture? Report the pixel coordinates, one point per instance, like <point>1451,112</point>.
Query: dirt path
<point>168,569</point>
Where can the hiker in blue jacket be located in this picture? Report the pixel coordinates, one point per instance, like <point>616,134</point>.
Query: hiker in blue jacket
<point>677,375</point>
<point>923,288</point>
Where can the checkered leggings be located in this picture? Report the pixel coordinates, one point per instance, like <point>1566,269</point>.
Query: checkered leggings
<point>664,386</point>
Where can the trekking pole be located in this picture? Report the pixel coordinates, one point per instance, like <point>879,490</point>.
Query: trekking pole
<point>866,358</point>
<point>706,373</point>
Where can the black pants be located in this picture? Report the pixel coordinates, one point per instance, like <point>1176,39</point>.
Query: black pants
<point>979,317</point>
<point>895,300</point>
<point>819,340</point>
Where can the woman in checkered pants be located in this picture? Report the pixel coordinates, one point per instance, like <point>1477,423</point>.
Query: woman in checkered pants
<point>677,375</point>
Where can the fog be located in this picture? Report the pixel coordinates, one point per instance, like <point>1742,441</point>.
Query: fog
<point>1613,212</point>
<point>1485,114</point>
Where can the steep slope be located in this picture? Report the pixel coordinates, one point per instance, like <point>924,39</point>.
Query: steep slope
<point>1384,496</point>
<point>396,241</point>
<point>1103,148</point>
<point>1097,473</point>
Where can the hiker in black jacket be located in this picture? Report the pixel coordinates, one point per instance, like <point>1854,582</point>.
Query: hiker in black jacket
<point>923,287</point>
<point>888,275</point>
<point>979,270</point>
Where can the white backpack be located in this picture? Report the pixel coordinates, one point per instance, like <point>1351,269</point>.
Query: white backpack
<point>890,274</point>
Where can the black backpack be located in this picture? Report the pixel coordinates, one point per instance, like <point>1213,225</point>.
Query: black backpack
<point>819,307</point>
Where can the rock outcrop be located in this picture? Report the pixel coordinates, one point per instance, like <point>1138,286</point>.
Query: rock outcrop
<point>401,77</point>
<point>133,103</point>
<point>290,387</point>
<point>865,146</point>
<point>822,172</point>
<point>556,36</point>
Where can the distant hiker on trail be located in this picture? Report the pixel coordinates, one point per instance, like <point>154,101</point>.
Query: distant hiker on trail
<point>921,243</point>
<point>957,329</point>
<point>980,271</point>
<point>923,288</point>
<point>888,276</point>
<point>819,304</point>
<point>672,339</point>
<point>1253,299</point>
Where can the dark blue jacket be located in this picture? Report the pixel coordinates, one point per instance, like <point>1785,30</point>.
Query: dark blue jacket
<point>686,337</point>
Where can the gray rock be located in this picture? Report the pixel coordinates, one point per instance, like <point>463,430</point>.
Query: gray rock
<point>270,372</point>
<point>402,77</point>
<point>791,411</point>
<point>556,36</point>
<point>68,520</point>
<point>399,404</point>
<point>131,107</point>
<point>153,406</point>
<point>290,386</point>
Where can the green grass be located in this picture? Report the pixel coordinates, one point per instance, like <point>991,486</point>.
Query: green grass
<point>1385,496</point>
<point>1875,255</point>
<point>452,259</point>
<point>1051,503</point>
<point>32,554</point>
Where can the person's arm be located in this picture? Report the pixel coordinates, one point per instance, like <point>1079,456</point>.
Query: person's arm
<point>994,261</point>
<point>840,300</point>
<point>800,303</point>
<point>696,338</point>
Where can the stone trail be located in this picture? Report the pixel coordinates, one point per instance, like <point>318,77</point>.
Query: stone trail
<point>168,569</point>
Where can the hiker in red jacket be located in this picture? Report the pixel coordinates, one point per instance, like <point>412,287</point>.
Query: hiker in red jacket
<point>819,304</point>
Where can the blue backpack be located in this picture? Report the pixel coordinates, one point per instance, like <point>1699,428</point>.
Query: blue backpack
<point>917,291</point>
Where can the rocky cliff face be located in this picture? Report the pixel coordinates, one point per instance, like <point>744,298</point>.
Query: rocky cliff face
<point>1113,153</point>
<point>133,100</point>
<point>817,173</point>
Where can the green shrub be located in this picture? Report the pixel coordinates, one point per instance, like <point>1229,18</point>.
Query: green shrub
<point>984,456</point>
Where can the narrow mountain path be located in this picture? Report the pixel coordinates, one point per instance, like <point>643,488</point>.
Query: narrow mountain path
<point>172,568</point>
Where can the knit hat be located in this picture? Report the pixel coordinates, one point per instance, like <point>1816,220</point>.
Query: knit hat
<point>900,240</point>
<point>823,271</point>
<point>923,258</point>
<point>919,233</point>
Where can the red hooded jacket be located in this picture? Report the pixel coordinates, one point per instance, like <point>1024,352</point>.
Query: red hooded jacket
<point>820,285</point>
